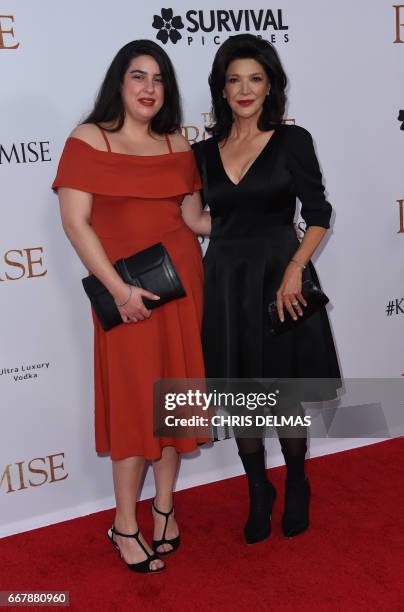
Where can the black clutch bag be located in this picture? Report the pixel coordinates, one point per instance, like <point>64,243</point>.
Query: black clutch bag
<point>151,269</point>
<point>315,299</point>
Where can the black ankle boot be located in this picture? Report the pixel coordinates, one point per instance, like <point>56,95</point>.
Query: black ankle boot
<point>262,496</point>
<point>295,518</point>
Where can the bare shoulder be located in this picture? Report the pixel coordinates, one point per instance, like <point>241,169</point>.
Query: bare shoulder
<point>91,134</point>
<point>179,142</point>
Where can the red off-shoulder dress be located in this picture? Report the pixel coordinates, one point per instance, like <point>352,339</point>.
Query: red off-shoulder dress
<point>136,203</point>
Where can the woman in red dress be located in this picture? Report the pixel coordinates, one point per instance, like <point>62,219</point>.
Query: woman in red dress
<point>126,180</point>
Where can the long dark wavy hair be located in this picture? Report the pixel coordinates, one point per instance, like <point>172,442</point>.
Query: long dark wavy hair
<point>109,107</point>
<point>246,46</point>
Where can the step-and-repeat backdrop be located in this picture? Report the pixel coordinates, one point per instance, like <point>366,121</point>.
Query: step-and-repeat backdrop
<point>345,64</point>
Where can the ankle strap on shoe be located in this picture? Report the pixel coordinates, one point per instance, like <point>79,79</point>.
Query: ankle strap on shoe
<point>166,514</point>
<point>125,535</point>
<point>136,537</point>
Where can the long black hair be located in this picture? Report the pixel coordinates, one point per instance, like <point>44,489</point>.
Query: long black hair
<point>109,108</point>
<point>247,46</point>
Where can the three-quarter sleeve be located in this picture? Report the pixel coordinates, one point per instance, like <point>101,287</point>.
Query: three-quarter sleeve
<point>197,183</point>
<point>199,153</point>
<point>305,170</point>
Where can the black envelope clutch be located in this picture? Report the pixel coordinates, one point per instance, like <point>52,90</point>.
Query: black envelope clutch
<point>315,299</point>
<point>151,269</point>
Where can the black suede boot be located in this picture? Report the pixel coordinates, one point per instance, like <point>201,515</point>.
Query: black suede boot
<point>262,496</point>
<point>295,519</point>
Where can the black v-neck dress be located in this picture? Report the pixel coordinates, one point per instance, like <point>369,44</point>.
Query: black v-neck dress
<point>252,242</point>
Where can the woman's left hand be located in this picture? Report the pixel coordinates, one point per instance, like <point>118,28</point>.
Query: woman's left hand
<point>289,294</point>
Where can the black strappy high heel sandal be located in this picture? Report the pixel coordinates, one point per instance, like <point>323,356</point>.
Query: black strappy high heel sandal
<point>174,542</point>
<point>143,566</point>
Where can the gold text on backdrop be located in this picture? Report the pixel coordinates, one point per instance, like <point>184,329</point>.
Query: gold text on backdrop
<point>4,24</point>
<point>399,13</point>
<point>401,207</point>
<point>22,263</point>
<point>34,473</point>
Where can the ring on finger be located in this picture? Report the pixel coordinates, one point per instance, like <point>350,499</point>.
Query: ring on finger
<point>295,303</point>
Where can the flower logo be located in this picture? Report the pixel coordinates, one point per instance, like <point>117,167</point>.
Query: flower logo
<point>168,26</point>
<point>401,118</point>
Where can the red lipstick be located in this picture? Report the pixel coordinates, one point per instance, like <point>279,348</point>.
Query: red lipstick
<point>146,101</point>
<point>245,102</point>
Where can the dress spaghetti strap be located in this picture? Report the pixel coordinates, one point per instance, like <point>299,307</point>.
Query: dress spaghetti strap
<point>105,138</point>
<point>168,143</point>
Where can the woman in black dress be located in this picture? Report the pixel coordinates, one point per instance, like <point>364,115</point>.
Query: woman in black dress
<point>253,168</point>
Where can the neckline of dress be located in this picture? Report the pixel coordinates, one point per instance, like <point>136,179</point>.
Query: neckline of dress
<point>169,154</point>
<point>269,141</point>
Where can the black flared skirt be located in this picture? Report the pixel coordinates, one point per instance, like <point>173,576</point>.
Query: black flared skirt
<point>242,276</point>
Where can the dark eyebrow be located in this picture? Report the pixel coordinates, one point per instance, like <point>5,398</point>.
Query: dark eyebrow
<point>252,74</point>
<point>143,72</point>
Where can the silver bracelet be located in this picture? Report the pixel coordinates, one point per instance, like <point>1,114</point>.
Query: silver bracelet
<point>130,295</point>
<point>302,266</point>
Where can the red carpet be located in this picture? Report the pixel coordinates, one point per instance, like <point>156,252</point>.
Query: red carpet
<point>352,557</point>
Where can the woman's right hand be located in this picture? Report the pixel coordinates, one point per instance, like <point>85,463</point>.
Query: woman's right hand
<point>134,310</point>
